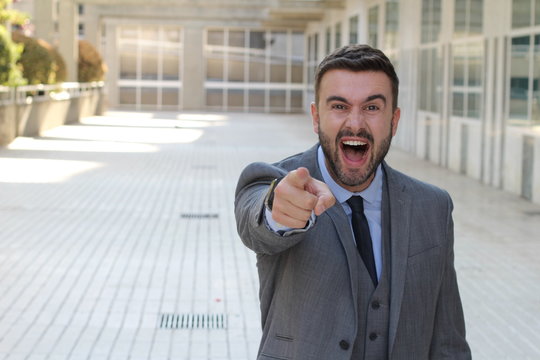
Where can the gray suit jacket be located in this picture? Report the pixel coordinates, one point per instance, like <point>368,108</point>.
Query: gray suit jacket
<point>308,291</point>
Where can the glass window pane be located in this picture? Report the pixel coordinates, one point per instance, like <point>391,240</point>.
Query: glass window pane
<point>214,97</point>
<point>149,33</point>
<point>237,38</point>
<point>148,96</point>
<point>537,12</point>
<point>476,63</point>
<point>328,40</point>
<point>169,96</point>
<point>236,67</point>
<point>297,60</point>
<point>297,102</point>
<point>127,96</point>
<point>214,68</point>
<point>521,13</point>
<point>216,37</point>
<point>473,105</point>
<point>172,35</point>
<point>426,23</point>
<point>338,36</point>
<point>235,98</point>
<point>256,40</point>
<point>149,62</point>
<point>535,111</point>
<point>278,57</point>
<point>460,18</point>
<point>476,17</point>
<point>519,77</point>
<point>392,24</point>
<point>257,67</point>
<point>373,25</point>
<point>459,57</point>
<point>171,64</point>
<point>129,32</point>
<point>353,30</point>
<point>128,61</point>
<point>423,80</point>
<point>436,80</point>
<point>458,104</point>
<point>256,99</point>
<point>277,100</point>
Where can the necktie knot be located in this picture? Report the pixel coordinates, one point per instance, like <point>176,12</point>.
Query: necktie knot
<point>356,203</point>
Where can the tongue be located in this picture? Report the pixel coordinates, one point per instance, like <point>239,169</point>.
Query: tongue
<point>352,154</point>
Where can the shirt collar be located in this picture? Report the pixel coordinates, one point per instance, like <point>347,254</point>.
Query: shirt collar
<point>372,194</point>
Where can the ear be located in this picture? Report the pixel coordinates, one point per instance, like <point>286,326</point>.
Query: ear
<point>315,117</point>
<point>395,120</point>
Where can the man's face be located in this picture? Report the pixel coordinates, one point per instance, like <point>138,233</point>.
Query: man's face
<point>355,122</point>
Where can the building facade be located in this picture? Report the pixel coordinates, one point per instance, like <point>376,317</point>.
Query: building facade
<point>469,69</point>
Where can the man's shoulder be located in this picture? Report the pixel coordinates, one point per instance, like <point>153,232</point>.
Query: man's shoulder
<point>415,187</point>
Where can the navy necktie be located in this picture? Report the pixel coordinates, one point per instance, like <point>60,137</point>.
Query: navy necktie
<point>361,234</point>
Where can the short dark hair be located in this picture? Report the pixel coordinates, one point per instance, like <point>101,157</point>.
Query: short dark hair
<point>357,58</point>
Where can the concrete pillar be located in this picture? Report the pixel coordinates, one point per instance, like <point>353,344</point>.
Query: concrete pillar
<point>193,77</point>
<point>111,56</point>
<point>92,26</point>
<point>68,36</point>
<point>44,20</point>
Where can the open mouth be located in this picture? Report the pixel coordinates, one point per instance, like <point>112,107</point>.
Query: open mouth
<point>354,150</point>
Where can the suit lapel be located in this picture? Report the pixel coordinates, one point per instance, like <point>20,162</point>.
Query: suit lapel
<point>399,217</point>
<point>341,223</point>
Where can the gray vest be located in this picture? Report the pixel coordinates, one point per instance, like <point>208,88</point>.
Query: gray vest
<point>374,303</point>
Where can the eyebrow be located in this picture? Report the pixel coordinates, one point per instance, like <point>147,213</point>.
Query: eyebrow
<point>342,99</point>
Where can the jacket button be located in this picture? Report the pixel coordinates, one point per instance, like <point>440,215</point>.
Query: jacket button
<point>344,345</point>
<point>375,305</point>
<point>373,336</point>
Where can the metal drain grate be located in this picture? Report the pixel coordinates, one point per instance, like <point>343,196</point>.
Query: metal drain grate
<point>199,216</point>
<point>193,321</point>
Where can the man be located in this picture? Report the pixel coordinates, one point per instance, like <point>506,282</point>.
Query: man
<point>355,259</point>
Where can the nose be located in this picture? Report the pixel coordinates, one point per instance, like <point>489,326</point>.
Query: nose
<point>356,120</point>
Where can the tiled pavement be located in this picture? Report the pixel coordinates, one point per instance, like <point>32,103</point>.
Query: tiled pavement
<point>109,224</point>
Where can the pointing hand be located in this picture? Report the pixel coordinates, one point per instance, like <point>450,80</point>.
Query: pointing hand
<point>297,195</point>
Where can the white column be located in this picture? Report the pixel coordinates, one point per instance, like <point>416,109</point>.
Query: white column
<point>68,36</point>
<point>193,75</point>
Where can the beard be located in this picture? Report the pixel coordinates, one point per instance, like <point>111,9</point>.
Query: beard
<point>353,177</point>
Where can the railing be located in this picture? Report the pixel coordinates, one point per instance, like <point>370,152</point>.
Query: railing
<point>28,93</point>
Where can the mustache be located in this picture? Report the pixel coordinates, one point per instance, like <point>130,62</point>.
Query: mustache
<point>362,133</point>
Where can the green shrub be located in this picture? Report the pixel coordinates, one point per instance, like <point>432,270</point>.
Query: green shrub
<point>10,73</point>
<point>40,61</point>
<point>90,65</point>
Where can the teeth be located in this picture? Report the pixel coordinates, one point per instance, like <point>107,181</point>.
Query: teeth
<point>354,143</point>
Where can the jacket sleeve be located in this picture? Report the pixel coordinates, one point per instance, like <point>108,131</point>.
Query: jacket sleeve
<point>448,341</point>
<point>249,211</point>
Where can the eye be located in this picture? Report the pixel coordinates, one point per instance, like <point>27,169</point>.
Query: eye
<point>372,107</point>
<point>339,106</point>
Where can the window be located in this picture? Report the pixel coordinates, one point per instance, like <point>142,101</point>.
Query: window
<point>338,36</point>
<point>391,24</point>
<point>149,72</point>
<point>468,17</point>
<point>353,30</point>
<point>525,80</point>
<point>431,21</point>
<point>430,79</point>
<point>373,26</point>
<point>525,13</point>
<point>254,70</point>
<point>467,82</point>
<point>328,40</point>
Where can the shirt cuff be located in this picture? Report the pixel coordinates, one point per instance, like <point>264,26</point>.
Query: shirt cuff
<point>279,229</point>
